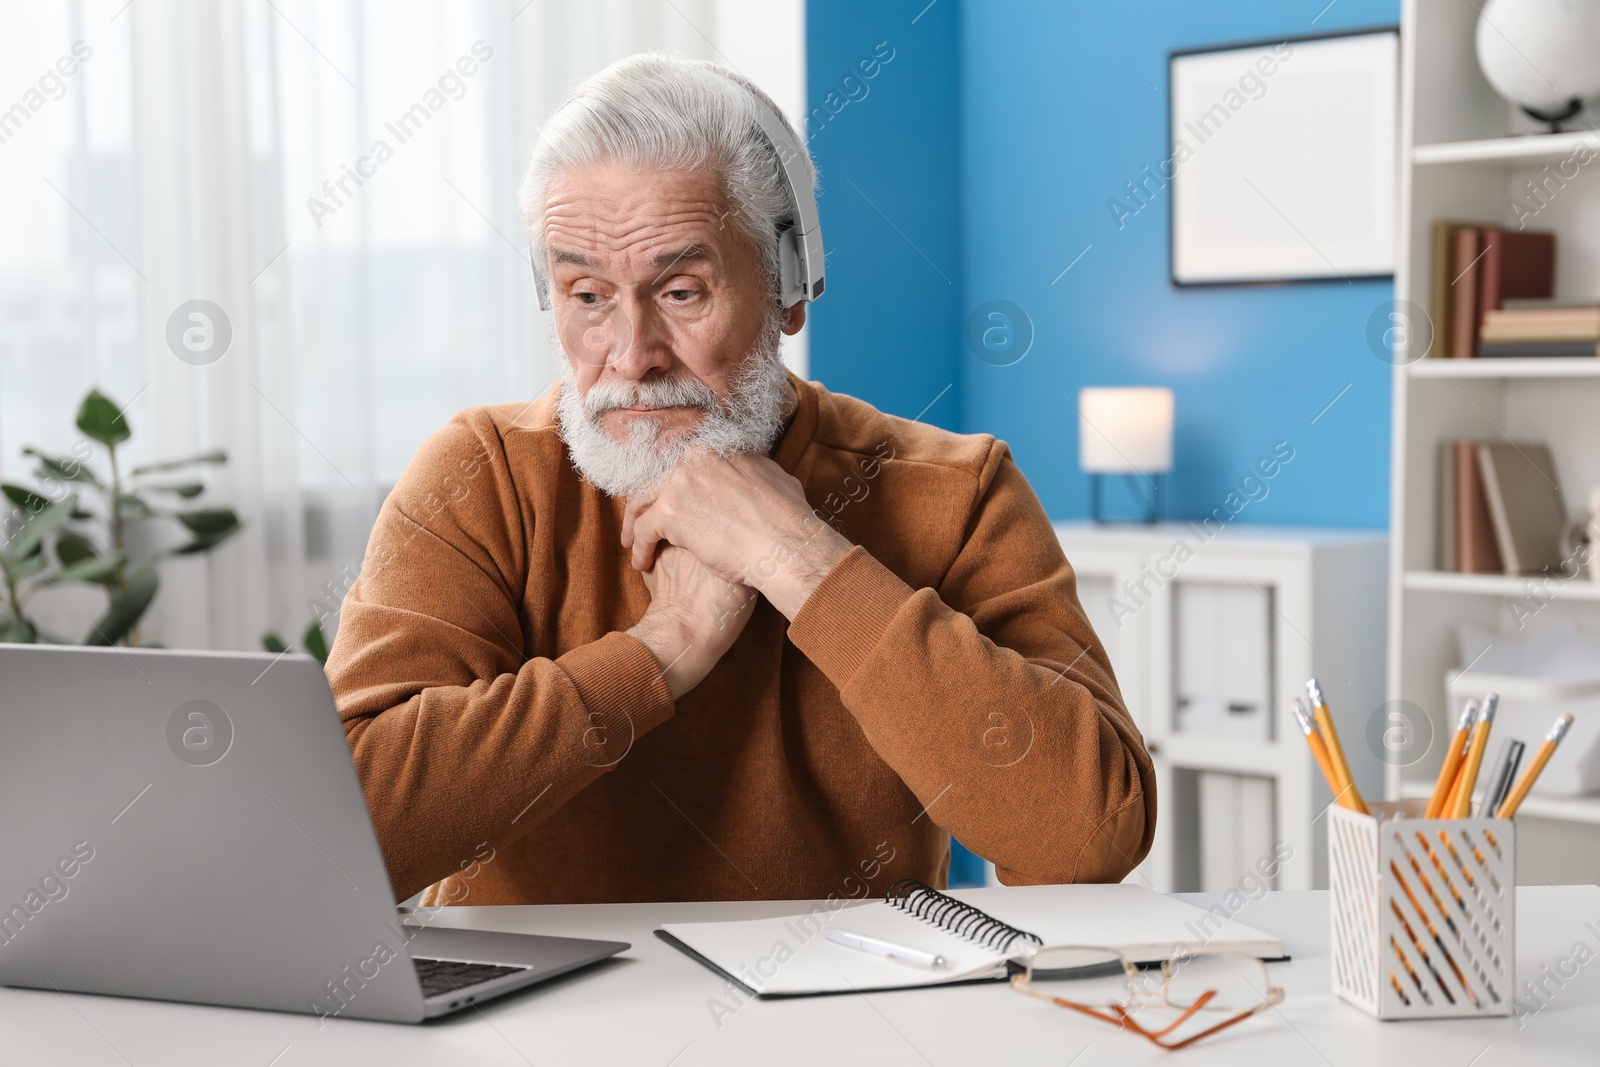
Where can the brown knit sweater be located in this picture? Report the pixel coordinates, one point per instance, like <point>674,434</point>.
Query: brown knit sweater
<point>516,747</point>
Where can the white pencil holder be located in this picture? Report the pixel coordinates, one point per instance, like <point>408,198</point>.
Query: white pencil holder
<point>1423,912</point>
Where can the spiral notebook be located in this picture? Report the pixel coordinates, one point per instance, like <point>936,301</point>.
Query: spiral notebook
<point>788,956</point>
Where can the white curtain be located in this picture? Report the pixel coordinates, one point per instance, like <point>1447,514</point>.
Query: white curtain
<point>337,177</point>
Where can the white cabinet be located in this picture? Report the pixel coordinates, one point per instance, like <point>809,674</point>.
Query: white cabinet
<point>1211,632</point>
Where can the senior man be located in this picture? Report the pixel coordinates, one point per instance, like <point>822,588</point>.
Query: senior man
<point>690,627</point>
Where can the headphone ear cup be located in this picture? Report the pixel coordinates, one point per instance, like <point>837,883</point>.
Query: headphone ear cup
<point>791,268</point>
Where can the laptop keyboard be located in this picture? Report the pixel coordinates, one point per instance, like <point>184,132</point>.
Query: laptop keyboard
<point>448,976</point>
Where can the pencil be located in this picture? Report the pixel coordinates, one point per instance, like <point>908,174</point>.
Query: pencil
<point>1427,885</point>
<point>1412,971</point>
<point>1421,952</point>
<point>1319,751</point>
<point>1531,775</point>
<point>1432,932</point>
<point>1349,796</point>
<point>1460,807</point>
<point>1452,760</point>
<point>1443,875</point>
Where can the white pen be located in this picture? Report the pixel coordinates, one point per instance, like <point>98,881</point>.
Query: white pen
<point>879,947</point>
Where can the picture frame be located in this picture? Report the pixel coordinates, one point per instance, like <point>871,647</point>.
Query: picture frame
<point>1283,160</point>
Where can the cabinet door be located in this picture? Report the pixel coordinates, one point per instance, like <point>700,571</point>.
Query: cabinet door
<point>1245,637</point>
<point>1223,660</point>
<point>1198,639</point>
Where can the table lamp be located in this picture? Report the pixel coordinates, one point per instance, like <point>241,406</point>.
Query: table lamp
<point>1127,432</point>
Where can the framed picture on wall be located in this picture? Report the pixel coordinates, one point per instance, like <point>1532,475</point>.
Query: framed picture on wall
<point>1283,159</point>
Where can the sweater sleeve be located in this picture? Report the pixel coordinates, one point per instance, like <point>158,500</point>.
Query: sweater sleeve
<point>990,696</point>
<point>459,737</point>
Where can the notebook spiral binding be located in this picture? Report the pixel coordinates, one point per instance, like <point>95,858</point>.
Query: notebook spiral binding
<point>955,916</point>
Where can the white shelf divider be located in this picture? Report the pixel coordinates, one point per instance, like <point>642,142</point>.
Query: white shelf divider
<point>1502,585</point>
<point>1565,367</point>
<point>1530,148</point>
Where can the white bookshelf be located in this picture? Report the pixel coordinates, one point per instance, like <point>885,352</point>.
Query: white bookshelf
<point>1325,595</point>
<point>1439,369</point>
<point>1465,154</point>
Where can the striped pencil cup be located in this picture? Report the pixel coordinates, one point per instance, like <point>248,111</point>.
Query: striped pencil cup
<point>1423,912</point>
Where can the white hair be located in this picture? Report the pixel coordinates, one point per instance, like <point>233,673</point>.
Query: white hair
<point>747,418</point>
<point>661,110</point>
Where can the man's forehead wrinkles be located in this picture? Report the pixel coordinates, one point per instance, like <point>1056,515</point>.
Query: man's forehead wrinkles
<point>621,229</point>
<point>644,240</point>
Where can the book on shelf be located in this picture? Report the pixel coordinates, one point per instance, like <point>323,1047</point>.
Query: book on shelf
<point>1525,505</point>
<point>1517,265</point>
<point>1533,330</point>
<point>1499,508</point>
<point>1466,532</point>
<point>1481,270</point>
<point>1466,253</point>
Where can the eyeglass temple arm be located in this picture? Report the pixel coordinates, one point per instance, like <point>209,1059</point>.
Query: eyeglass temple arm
<point>1199,1003</point>
<point>1192,1038</point>
<point>1272,999</point>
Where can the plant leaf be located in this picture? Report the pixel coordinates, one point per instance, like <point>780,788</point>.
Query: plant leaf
<point>27,568</point>
<point>65,470</point>
<point>205,544</point>
<point>189,491</point>
<point>273,643</point>
<point>24,497</point>
<point>134,504</point>
<point>100,420</point>
<point>315,642</point>
<point>18,631</point>
<point>218,526</point>
<point>209,521</point>
<point>93,569</point>
<point>216,456</point>
<point>125,611</point>
<point>26,541</point>
<point>72,546</point>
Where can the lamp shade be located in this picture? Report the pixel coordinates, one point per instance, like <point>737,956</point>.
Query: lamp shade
<point>1125,431</point>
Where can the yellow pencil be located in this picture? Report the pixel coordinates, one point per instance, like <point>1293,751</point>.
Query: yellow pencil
<point>1345,787</point>
<point>1319,751</point>
<point>1452,760</point>
<point>1460,805</point>
<point>1546,750</point>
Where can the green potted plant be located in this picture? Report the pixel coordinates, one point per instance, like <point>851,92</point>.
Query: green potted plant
<point>72,527</point>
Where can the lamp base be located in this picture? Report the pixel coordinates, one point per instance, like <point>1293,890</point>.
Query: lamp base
<point>1149,503</point>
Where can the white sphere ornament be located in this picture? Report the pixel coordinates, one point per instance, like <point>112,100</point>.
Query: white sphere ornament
<point>1542,55</point>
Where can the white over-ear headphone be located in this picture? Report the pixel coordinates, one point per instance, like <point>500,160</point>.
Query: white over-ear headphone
<point>800,268</point>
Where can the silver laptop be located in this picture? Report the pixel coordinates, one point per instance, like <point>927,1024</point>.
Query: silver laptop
<point>189,826</point>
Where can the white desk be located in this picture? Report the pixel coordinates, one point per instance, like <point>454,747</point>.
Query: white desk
<point>648,1008</point>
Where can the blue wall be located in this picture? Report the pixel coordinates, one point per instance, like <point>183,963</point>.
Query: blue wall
<point>1047,112</point>
<point>888,327</point>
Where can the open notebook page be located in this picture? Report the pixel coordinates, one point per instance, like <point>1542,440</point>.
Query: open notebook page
<point>790,957</point>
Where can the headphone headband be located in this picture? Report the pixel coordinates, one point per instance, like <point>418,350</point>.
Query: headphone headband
<point>800,255</point>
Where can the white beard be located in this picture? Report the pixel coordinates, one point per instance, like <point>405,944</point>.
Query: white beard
<point>748,419</point>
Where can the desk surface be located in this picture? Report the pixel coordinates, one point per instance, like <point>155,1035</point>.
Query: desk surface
<point>652,1006</point>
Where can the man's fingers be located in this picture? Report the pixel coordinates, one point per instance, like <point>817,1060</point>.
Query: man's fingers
<point>647,534</point>
<point>630,515</point>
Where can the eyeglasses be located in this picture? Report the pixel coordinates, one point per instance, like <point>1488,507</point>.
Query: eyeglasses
<point>1105,984</point>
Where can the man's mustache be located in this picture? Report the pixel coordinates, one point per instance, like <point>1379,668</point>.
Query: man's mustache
<point>674,392</point>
